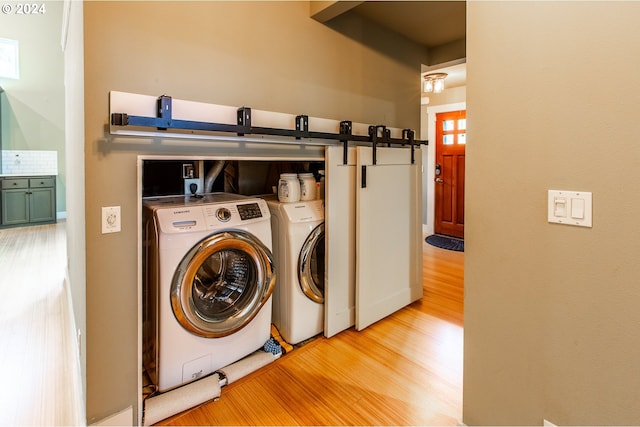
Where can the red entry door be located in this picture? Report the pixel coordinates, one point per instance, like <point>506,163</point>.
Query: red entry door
<point>451,128</point>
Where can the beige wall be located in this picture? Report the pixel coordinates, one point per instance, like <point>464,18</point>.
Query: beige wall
<point>266,55</point>
<point>552,311</point>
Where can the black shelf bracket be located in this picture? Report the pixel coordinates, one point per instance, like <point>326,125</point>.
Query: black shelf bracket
<point>164,120</point>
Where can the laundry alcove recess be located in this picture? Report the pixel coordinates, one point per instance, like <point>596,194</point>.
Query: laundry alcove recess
<point>373,181</point>
<point>378,166</point>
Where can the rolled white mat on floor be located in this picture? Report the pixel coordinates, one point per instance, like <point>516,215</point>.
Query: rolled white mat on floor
<point>164,405</point>
<point>244,367</point>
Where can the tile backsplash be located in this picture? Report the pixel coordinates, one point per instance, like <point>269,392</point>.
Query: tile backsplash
<point>29,162</point>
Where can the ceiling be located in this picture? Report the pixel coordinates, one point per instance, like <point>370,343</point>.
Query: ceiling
<point>430,23</point>
<point>433,24</point>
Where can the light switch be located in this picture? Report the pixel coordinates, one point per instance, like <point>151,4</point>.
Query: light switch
<point>570,207</point>
<point>577,208</point>
<point>559,207</point>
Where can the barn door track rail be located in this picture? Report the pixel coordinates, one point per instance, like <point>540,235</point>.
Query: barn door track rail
<point>164,120</point>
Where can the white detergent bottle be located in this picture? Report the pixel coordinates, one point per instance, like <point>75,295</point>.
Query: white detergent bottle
<point>289,188</point>
<point>307,186</point>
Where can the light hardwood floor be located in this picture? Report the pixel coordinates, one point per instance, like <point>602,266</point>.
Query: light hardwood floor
<point>39,365</point>
<point>403,370</point>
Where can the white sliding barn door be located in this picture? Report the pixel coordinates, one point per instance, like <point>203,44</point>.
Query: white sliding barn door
<point>340,234</point>
<point>373,235</point>
<point>388,232</point>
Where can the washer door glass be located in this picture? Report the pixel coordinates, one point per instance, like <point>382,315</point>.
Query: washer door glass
<point>222,283</point>
<point>311,265</point>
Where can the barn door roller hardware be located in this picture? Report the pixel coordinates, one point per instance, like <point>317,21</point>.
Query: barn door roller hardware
<point>164,120</point>
<point>346,128</point>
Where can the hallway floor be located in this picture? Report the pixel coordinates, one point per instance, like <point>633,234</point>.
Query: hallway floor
<point>40,381</point>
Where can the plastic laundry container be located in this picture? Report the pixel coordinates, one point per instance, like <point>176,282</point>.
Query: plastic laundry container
<point>289,188</point>
<point>307,186</point>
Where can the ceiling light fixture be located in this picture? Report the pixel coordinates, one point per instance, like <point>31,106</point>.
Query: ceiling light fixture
<point>434,82</point>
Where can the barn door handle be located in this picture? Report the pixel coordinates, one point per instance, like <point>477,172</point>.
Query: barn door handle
<point>439,180</point>
<point>363,180</point>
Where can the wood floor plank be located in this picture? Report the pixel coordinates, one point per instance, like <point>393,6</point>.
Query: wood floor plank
<point>39,364</point>
<point>403,370</point>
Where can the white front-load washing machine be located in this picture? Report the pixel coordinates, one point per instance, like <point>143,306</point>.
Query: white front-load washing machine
<point>208,279</point>
<point>299,254</point>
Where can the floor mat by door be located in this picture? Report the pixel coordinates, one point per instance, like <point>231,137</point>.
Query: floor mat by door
<point>446,242</point>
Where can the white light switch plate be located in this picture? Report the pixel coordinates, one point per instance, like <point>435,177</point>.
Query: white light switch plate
<point>570,207</point>
<point>110,219</point>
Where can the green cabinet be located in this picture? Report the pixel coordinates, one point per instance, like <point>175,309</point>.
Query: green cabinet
<point>28,200</point>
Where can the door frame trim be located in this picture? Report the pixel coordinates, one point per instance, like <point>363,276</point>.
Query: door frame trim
<point>428,184</point>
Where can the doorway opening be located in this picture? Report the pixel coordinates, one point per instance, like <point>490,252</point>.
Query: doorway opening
<point>451,132</point>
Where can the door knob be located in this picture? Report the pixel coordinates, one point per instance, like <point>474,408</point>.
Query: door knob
<point>439,180</point>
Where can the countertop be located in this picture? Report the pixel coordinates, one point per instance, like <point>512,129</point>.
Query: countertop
<point>18,175</point>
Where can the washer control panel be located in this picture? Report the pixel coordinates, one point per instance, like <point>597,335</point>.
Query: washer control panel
<point>223,214</point>
<point>249,211</point>
<point>235,214</point>
<point>193,217</point>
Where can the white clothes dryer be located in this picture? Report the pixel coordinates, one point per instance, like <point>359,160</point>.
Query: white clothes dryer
<point>208,279</point>
<point>299,254</point>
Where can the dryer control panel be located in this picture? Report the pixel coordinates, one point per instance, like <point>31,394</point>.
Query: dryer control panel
<point>304,211</point>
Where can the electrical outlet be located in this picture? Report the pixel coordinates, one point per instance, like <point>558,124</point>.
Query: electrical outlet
<point>110,219</point>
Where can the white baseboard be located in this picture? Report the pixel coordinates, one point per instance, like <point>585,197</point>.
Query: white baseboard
<point>122,418</point>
